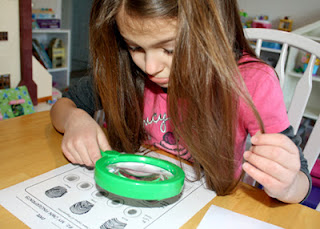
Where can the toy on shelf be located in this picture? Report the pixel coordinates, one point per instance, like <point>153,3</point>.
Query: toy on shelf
<point>56,52</point>
<point>51,102</point>
<point>305,60</point>
<point>56,94</point>
<point>285,24</point>
<point>245,20</point>
<point>262,22</point>
<point>243,17</point>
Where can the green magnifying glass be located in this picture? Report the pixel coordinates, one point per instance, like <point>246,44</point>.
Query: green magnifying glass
<point>138,177</point>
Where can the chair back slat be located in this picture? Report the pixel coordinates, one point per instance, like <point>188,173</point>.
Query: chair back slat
<point>312,148</point>
<point>281,64</point>
<point>258,47</point>
<point>301,95</point>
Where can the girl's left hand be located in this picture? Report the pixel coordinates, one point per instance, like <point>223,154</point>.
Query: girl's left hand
<point>273,161</point>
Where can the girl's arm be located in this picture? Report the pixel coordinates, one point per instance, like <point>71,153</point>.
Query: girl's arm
<point>83,137</point>
<point>72,115</point>
<point>274,159</point>
<point>61,112</point>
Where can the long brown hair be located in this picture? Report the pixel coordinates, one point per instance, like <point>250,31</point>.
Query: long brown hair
<point>204,87</point>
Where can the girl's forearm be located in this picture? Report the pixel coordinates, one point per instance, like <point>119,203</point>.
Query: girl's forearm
<point>61,113</point>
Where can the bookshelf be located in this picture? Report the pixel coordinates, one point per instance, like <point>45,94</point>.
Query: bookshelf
<point>60,76</point>
<point>62,11</point>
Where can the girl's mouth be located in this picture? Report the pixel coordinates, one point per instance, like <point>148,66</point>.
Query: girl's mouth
<point>159,80</point>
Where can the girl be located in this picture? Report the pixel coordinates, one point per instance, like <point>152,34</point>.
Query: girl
<point>180,75</point>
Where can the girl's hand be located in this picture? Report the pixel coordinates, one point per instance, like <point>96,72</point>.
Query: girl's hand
<point>274,162</point>
<point>83,139</point>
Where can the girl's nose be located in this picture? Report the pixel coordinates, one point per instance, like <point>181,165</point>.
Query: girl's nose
<point>153,66</point>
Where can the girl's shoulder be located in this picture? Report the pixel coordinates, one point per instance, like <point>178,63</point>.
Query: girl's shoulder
<point>264,88</point>
<point>254,71</point>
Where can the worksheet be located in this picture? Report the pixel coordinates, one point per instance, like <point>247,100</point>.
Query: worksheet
<point>68,197</point>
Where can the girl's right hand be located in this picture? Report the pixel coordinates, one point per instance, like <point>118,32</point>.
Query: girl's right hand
<point>83,138</point>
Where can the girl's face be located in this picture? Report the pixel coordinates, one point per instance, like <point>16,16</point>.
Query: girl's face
<point>151,44</point>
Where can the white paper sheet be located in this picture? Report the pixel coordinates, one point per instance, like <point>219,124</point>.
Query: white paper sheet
<point>217,217</point>
<point>67,197</point>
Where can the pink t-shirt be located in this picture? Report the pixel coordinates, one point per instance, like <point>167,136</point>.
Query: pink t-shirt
<point>264,88</point>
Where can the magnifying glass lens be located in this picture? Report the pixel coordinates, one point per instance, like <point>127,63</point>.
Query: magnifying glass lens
<point>139,171</point>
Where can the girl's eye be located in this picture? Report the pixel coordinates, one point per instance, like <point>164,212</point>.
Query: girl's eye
<point>169,52</point>
<point>134,49</point>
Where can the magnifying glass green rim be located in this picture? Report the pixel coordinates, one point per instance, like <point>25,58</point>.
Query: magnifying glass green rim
<point>137,189</point>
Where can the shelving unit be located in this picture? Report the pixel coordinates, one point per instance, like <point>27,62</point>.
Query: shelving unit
<point>60,76</point>
<point>62,9</point>
<point>312,111</point>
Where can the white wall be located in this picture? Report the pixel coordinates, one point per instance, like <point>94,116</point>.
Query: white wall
<point>10,50</point>
<point>302,12</point>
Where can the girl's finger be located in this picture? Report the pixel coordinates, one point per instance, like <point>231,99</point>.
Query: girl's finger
<point>69,157</point>
<point>102,140</point>
<point>87,160</point>
<point>261,177</point>
<point>277,154</point>
<point>269,167</point>
<point>75,155</point>
<point>84,154</point>
<point>93,152</point>
<point>70,149</point>
<point>279,140</point>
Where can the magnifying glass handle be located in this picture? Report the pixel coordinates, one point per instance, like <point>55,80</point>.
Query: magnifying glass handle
<point>109,153</point>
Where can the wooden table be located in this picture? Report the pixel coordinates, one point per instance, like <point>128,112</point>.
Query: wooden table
<point>30,146</point>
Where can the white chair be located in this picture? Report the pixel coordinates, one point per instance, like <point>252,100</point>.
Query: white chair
<point>304,86</point>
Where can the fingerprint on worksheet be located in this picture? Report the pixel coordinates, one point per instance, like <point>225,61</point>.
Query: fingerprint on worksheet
<point>71,178</point>
<point>113,224</point>
<point>56,192</point>
<point>99,194</point>
<point>81,207</point>
<point>132,212</point>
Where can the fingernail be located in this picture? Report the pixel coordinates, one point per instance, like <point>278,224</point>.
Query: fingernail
<point>246,155</point>
<point>254,139</point>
